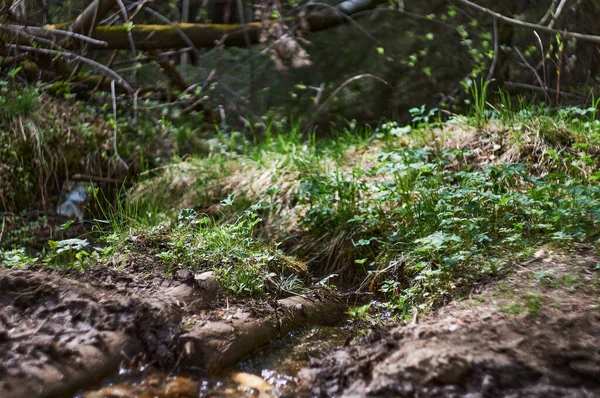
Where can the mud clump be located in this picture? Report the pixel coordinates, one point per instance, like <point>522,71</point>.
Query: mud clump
<point>57,333</point>
<point>484,347</point>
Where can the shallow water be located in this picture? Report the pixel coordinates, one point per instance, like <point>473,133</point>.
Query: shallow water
<point>271,372</point>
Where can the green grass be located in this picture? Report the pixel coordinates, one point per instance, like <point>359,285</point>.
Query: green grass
<point>414,213</point>
<point>407,208</point>
<point>244,265</point>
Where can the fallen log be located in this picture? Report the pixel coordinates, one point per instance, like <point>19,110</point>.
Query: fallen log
<point>154,37</point>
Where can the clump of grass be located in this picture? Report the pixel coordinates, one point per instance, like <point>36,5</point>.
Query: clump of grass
<point>15,258</point>
<point>42,141</point>
<point>243,265</point>
<point>45,140</point>
<point>479,108</point>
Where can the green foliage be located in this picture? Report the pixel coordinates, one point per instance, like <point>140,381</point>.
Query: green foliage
<point>119,215</point>
<point>15,258</point>
<point>68,253</point>
<point>16,102</point>
<point>478,91</point>
<point>422,220</point>
<point>434,228</point>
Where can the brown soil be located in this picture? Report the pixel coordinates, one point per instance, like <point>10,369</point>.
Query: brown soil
<point>536,333</point>
<point>56,333</point>
<point>62,332</point>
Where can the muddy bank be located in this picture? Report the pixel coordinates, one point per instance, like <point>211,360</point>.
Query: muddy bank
<point>535,334</point>
<point>218,344</point>
<point>59,333</point>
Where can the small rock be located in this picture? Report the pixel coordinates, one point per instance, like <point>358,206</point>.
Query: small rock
<point>184,274</point>
<point>487,385</point>
<point>205,276</point>
<point>207,281</point>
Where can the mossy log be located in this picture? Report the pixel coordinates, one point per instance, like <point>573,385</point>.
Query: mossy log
<point>154,37</point>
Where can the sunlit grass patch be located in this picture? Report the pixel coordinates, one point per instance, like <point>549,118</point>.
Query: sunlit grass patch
<point>243,264</point>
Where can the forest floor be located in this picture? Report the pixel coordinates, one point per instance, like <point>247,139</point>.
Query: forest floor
<point>465,253</point>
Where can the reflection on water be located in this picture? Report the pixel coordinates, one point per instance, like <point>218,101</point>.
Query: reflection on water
<point>271,372</point>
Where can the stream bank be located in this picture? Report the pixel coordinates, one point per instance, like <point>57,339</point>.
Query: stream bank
<point>62,332</point>
<point>533,333</point>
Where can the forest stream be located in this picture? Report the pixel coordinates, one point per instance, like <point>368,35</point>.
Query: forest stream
<point>270,372</point>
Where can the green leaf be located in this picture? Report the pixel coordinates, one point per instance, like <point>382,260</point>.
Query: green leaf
<point>67,224</point>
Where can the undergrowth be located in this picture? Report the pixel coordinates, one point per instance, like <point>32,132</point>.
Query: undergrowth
<point>244,265</point>
<point>416,214</point>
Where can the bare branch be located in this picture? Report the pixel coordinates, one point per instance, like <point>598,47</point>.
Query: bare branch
<point>495,59</point>
<point>541,89</point>
<point>344,13</point>
<point>50,33</point>
<point>536,74</point>
<point>548,13</point>
<point>69,55</point>
<point>344,84</point>
<point>539,39</point>
<point>89,18</point>
<point>116,131</point>
<point>557,13</point>
<point>180,32</point>
<point>516,22</point>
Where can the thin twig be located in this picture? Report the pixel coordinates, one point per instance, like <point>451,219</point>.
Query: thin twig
<point>37,39</point>
<point>344,84</point>
<point>177,29</point>
<point>40,30</point>
<point>114,104</point>
<point>135,105</point>
<point>536,74</point>
<point>541,89</point>
<point>495,59</point>
<point>2,230</point>
<point>129,35</point>
<point>512,21</point>
<point>319,90</point>
<point>543,56</point>
<point>66,54</point>
<point>347,17</point>
<point>557,13</point>
<point>548,13</point>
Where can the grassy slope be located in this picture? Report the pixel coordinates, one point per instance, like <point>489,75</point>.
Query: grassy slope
<point>419,212</point>
<point>413,213</point>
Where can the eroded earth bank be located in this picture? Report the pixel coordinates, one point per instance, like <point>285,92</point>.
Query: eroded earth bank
<point>533,334</point>
<point>60,333</point>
